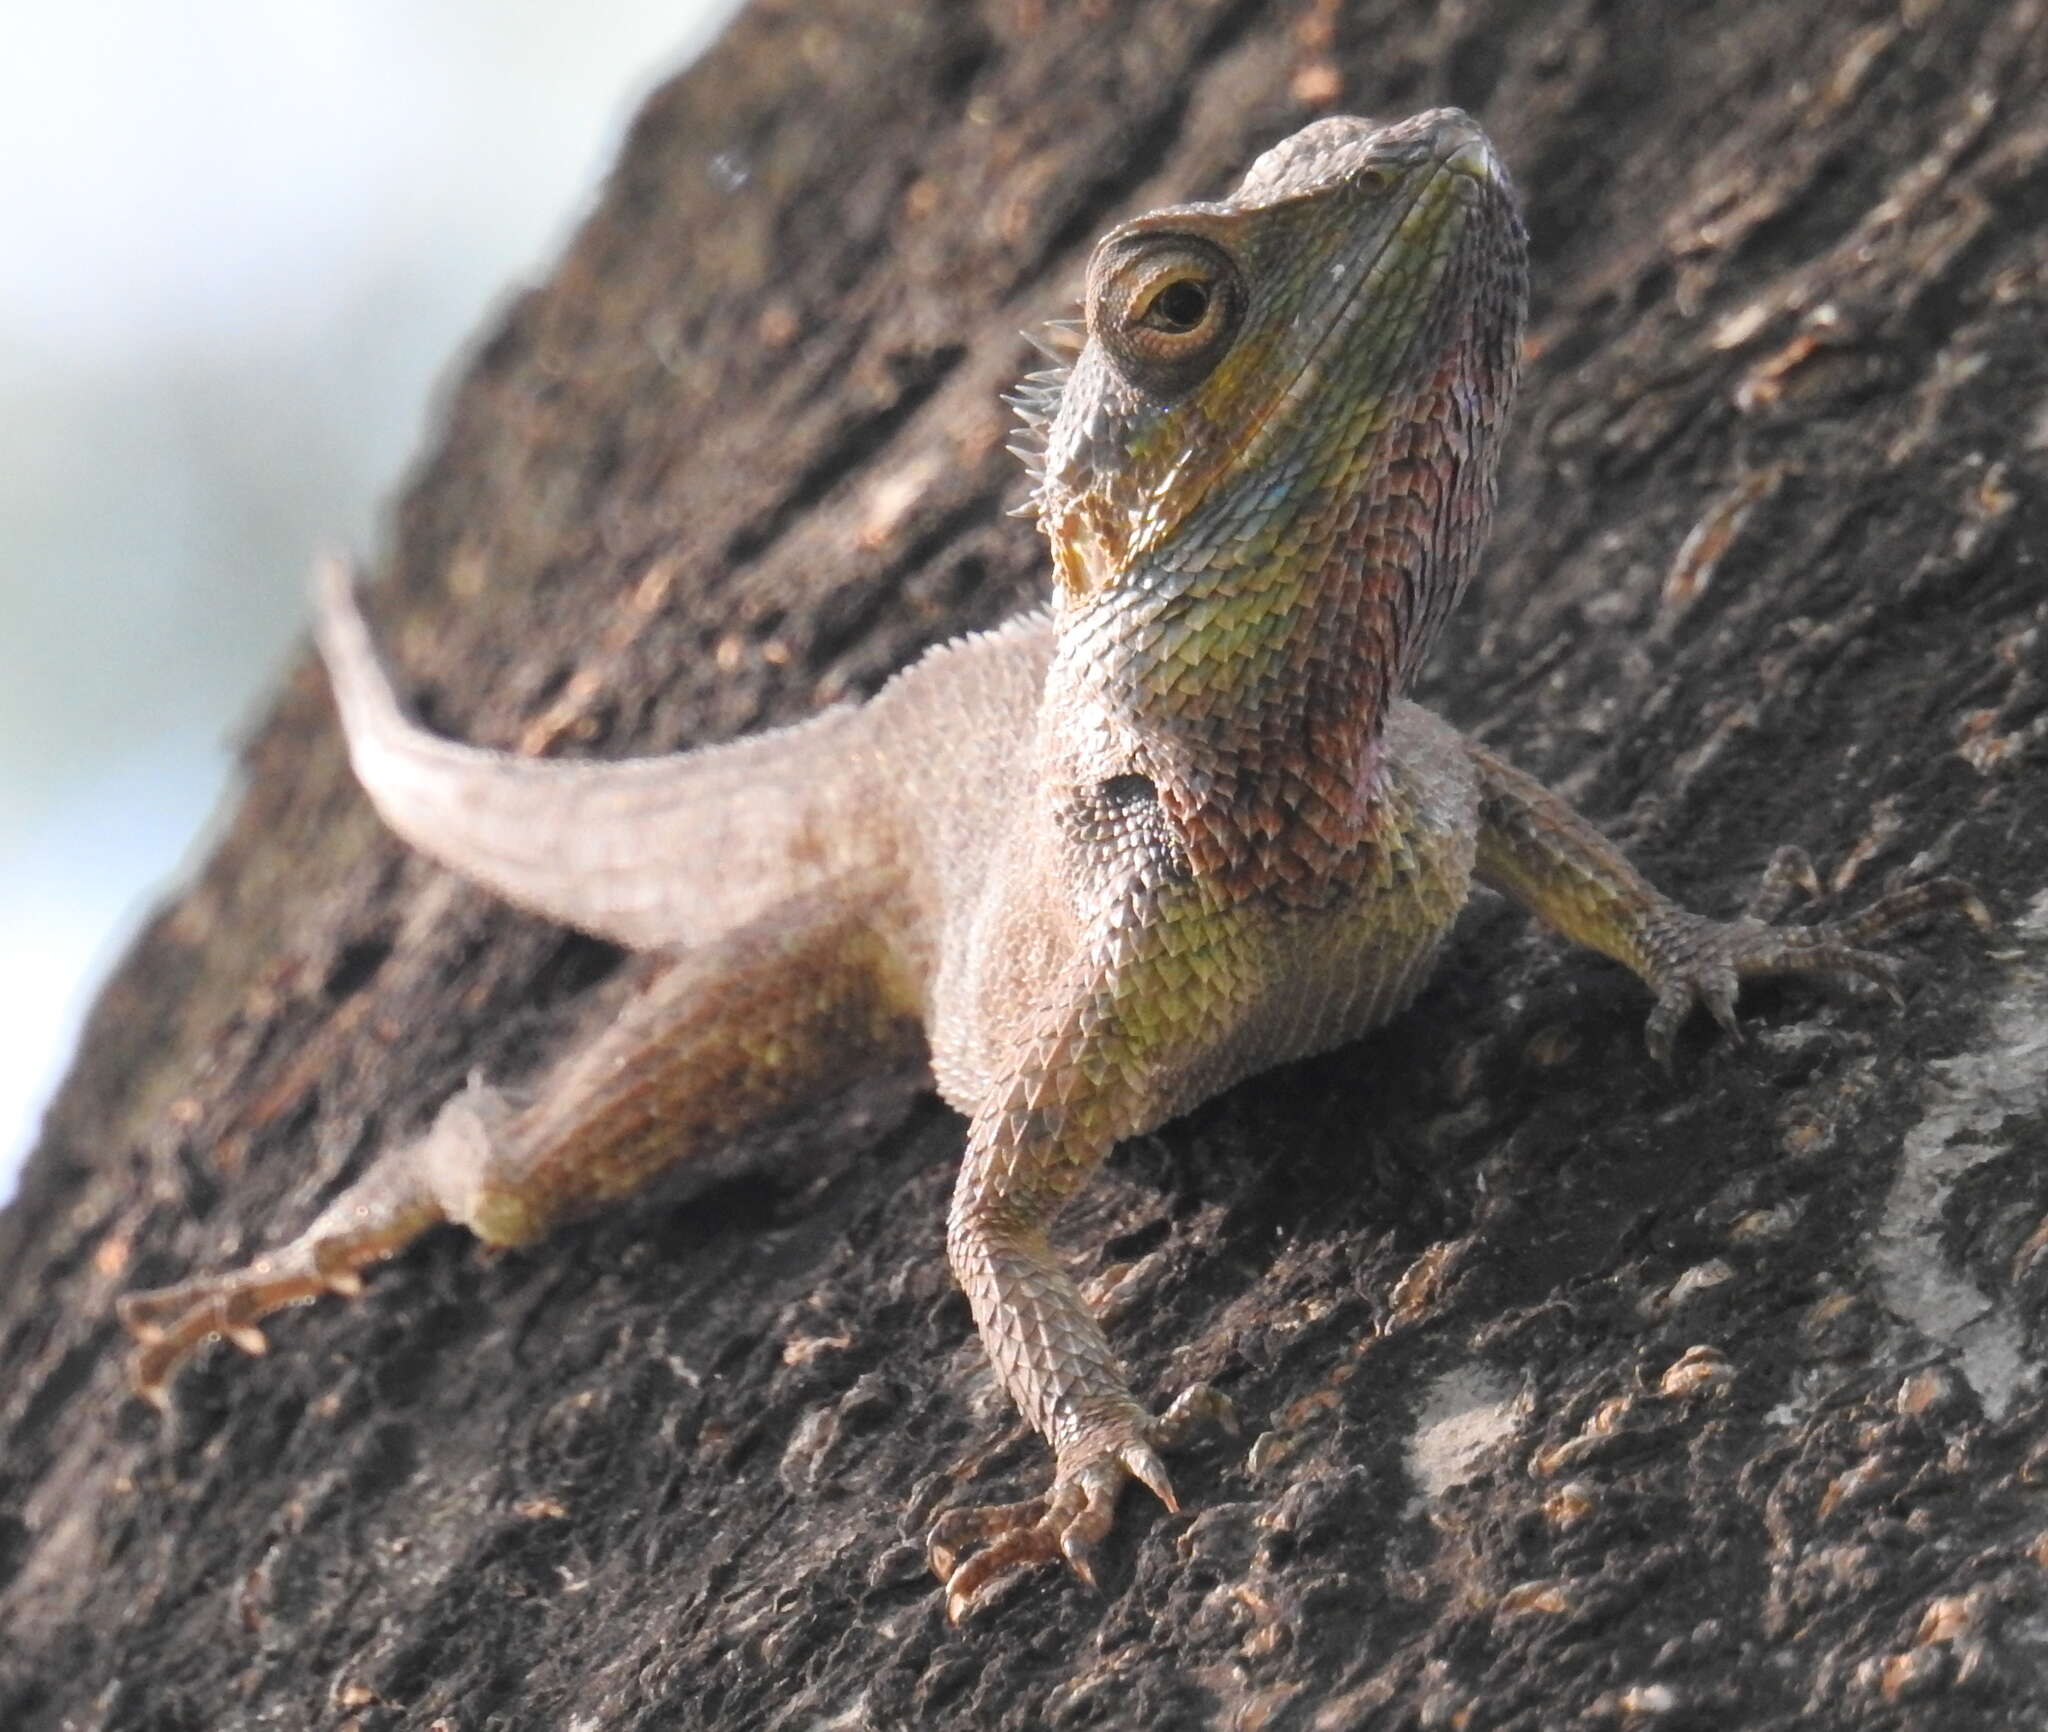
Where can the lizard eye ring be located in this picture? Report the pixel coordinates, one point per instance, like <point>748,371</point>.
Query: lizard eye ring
<point>1165,307</point>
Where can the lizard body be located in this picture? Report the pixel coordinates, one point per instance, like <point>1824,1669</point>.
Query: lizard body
<point>1096,865</point>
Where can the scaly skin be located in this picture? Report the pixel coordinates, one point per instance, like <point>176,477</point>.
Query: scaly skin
<point>1105,861</point>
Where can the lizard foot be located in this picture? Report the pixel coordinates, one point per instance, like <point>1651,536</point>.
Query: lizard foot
<point>171,1323</point>
<point>1697,961</point>
<point>1070,1520</point>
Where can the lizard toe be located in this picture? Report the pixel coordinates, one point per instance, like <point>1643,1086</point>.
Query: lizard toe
<point>957,1529</point>
<point>1843,962</point>
<point>1791,869</point>
<point>1019,1549</point>
<point>1197,1409</point>
<point>1660,1033</point>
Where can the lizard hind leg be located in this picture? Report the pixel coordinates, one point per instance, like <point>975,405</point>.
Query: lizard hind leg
<point>717,1042</point>
<point>407,1190</point>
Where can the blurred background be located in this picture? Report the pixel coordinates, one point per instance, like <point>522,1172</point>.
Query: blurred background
<point>244,238</point>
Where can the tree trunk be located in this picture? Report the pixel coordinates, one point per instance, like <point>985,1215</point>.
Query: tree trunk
<point>1581,1396</point>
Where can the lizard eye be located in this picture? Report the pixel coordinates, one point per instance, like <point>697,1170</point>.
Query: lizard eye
<point>1166,307</point>
<point>1179,307</point>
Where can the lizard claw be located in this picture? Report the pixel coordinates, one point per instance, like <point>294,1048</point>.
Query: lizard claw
<point>247,1337</point>
<point>1141,1461</point>
<point>1695,961</point>
<point>1071,1520</point>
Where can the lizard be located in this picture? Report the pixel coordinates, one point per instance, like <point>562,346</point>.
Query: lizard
<point>1092,867</point>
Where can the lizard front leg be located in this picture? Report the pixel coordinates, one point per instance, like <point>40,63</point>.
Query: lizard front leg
<point>1076,1090</point>
<point>726,1038</point>
<point>1533,846</point>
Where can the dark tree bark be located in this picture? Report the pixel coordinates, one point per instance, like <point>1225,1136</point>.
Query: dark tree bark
<point>1589,1397</point>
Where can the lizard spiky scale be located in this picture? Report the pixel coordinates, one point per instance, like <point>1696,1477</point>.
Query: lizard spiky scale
<point>1096,865</point>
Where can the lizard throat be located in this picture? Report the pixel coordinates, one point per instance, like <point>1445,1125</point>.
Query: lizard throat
<point>1263,734</point>
<point>1255,695</point>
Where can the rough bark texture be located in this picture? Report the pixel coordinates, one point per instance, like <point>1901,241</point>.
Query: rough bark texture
<point>1765,571</point>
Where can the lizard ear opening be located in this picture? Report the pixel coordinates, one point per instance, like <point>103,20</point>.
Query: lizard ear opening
<point>1165,307</point>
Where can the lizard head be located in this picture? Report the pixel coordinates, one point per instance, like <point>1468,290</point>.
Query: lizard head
<point>1267,473</point>
<point>1256,370</point>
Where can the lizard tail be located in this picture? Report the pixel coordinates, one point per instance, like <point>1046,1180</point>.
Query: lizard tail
<point>646,852</point>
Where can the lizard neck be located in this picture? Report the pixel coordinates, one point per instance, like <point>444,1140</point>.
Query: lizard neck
<point>1250,676</point>
<point>1256,709</point>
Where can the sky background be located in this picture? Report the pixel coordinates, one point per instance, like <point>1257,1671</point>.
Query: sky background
<point>243,241</point>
